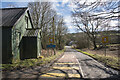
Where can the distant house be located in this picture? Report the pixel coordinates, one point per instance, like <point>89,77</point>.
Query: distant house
<point>15,22</point>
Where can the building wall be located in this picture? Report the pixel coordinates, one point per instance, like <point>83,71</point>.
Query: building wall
<point>18,32</point>
<point>28,48</point>
<point>6,46</point>
<point>38,45</point>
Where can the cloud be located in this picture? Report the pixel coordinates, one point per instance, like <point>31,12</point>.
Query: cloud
<point>68,19</point>
<point>114,23</point>
<point>73,29</point>
<point>70,27</point>
<point>17,0</point>
<point>63,9</point>
<point>71,6</point>
<point>57,4</point>
<point>64,2</point>
<point>54,6</point>
<point>59,13</point>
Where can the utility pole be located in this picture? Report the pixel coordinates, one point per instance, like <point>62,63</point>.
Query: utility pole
<point>53,26</point>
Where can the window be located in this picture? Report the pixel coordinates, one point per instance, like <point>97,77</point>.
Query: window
<point>19,34</point>
<point>26,19</point>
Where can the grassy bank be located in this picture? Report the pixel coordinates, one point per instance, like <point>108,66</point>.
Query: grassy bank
<point>31,62</point>
<point>108,60</point>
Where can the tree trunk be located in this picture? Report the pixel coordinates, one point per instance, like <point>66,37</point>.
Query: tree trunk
<point>94,44</point>
<point>42,45</point>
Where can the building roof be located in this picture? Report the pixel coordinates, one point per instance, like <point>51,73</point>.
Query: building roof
<point>33,33</point>
<point>11,15</point>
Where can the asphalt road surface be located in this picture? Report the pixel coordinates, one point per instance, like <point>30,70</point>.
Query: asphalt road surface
<point>74,64</point>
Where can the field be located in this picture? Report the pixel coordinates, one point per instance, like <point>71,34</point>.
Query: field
<point>110,51</point>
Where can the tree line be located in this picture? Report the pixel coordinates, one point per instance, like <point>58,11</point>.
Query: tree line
<point>45,18</point>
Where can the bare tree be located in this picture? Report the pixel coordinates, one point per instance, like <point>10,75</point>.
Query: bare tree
<point>42,15</point>
<point>61,31</point>
<point>86,20</point>
<point>46,19</point>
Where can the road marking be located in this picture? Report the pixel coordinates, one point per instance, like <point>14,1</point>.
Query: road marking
<point>63,56</point>
<point>66,68</point>
<point>100,64</point>
<point>80,68</point>
<point>97,62</point>
<point>55,75</point>
<point>93,59</point>
<point>73,56</point>
<point>66,63</point>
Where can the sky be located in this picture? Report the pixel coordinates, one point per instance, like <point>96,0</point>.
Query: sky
<point>65,9</point>
<point>62,7</point>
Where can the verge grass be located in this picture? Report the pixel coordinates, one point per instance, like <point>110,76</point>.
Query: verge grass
<point>31,62</point>
<point>108,60</point>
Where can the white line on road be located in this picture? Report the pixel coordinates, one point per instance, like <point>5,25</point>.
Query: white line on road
<point>63,56</point>
<point>80,68</point>
<point>102,65</point>
<point>73,56</point>
<point>98,63</point>
<point>93,59</point>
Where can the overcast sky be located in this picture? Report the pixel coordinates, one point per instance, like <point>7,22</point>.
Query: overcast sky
<point>63,7</point>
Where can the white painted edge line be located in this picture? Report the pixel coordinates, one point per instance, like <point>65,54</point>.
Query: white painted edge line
<point>73,56</point>
<point>63,56</point>
<point>99,63</point>
<point>105,67</point>
<point>96,61</point>
<point>80,68</point>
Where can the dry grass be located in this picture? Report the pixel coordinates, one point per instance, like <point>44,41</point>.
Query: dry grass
<point>31,62</point>
<point>47,52</point>
<point>113,52</point>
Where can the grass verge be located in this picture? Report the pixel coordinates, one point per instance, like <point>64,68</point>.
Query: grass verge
<point>31,62</point>
<point>108,60</point>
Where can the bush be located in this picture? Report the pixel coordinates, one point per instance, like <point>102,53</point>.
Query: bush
<point>82,42</point>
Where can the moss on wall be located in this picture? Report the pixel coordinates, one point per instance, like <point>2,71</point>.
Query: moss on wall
<point>18,32</point>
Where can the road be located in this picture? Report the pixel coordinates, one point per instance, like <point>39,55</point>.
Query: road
<point>74,64</point>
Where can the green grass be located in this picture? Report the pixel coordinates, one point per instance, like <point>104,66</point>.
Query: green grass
<point>31,62</point>
<point>108,60</point>
<point>111,45</point>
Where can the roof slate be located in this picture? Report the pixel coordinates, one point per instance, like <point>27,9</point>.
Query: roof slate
<point>11,15</point>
